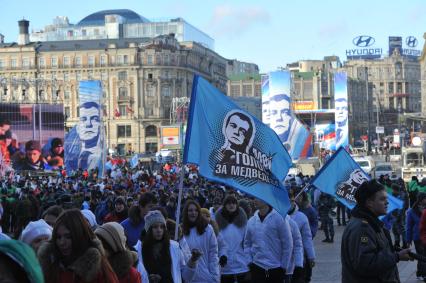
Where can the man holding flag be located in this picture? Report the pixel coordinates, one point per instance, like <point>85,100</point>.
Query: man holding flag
<point>232,147</point>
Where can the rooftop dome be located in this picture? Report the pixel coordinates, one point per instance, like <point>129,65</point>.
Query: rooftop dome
<point>98,18</point>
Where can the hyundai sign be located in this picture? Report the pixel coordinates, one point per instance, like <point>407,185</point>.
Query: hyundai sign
<point>364,48</point>
<point>411,42</point>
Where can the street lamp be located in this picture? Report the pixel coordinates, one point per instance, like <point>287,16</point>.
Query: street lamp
<point>368,112</point>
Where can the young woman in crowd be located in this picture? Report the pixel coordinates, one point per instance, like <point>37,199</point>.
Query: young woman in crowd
<point>161,259</point>
<point>74,254</point>
<point>119,214</point>
<point>119,257</point>
<point>200,235</point>
<point>232,223</point>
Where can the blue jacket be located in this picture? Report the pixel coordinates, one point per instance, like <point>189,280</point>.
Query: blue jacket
<point>132,232</point>
<point>412,226</point>
<point>312,215</point>
<point>305,231</point>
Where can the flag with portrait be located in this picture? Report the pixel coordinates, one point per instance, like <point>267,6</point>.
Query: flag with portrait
<point>232,147</point>
<point>341,176</point>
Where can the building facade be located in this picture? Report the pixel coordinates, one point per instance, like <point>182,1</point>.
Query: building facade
<point>121,23</point>
<point>141,77</point>
<point>244,85</point>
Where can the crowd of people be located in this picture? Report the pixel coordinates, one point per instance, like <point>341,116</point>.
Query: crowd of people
<point>121,228</point>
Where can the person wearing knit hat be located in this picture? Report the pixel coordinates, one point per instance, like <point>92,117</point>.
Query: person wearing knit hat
<point>119,257</point>
<point>161,259</point>
<point>414,231</point>
<point>18,263</point>
<point>35,233</point>
<point>90,217</point>
<point>366,244</point>
<point>153,217</point>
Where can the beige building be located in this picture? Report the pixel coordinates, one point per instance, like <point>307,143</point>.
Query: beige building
<point>423,77</point>
<point>395,82</point>
<point>244,85</point>
<point>140,79</point>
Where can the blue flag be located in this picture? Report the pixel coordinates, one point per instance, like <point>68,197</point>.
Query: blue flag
<point>134,161</point>
<point>232,147</point>
<point>341,176</point>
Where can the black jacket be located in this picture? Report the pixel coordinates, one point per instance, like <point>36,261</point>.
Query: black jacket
<point>367,252</point>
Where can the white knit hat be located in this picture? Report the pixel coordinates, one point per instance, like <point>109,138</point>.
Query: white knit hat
<point>34,230</point>
<point>90,217</point>
<point>152,217</point>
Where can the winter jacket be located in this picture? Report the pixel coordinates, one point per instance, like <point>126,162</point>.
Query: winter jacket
<point>122,263</point>
<point>208,264</point>
<point>296,259</point>
<point>85,269</point>
<point>412,225</point>
<point>305,232</point>
<point>367,252</point>
<point>233,234</point>
<point>115,217</point>
<point>133,232</point>
<point>422,226</point>
<point>269,242</point>
<point>179,268</point>
<point>326,203</point>
<point>312,215</point>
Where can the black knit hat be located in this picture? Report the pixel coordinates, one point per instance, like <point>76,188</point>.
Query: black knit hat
<point>367,190</point>
<point>56,142</point>
<point>32,145</point>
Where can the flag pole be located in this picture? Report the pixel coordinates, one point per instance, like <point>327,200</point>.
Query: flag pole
<point>182,174</point>
<point>305,188</point>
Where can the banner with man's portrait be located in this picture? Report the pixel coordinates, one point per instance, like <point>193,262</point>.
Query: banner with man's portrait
<point>292,133</point>
<point>31,137</point>
<point>341,109</point>
<point>265,100</point>
<point>84,144</point>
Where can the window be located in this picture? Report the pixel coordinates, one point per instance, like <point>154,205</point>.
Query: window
<point>151,131</point>
<point>103,60</point>
<point>90,75</point>
<point>78,61</point>
<point>67,61</point>
<point>91,60</point>
<point>166,59</point>
<point>150,91</point>
<point>83,32</point>
<point>149,60</point>
<point>13,63</point>
<point>123,110</point>
<point>158,59</point>
<point>67,94</point>
<point>122,93</point>
<point>41,62</point>
<point>78,76</point>
<point>67,112</point>
<point>165,91</point>
<point>122,75</point>
<point>54,62</point>
<point>399,87</point>
<point>104,75</point>
<point>390,87</point>
<point>119,59</point>
<point>126,59</point>
<point>26,63</point>
<point>124,131</point>
<point>149,111</point>
<point>2,65</point>
<point>66,76</point>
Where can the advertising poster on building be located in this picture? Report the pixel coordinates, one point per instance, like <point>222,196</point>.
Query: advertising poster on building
<point>171,137</point>
<point>265,100</point>
<point>293,134</point>
<point>31,137</point>
<point>325,136</point>
<point>395,42</point>
<point>341,109</point>
<point>84,144</point>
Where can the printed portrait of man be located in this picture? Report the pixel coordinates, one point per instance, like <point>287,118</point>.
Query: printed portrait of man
<point>238,130</point>
<point>89,133</point>
<point>281,119</point>
<point>341,106</point>
<point>265,112</point>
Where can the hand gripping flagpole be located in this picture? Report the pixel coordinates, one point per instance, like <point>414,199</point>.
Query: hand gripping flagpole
<point>182,174</point>
<point>305,188</point>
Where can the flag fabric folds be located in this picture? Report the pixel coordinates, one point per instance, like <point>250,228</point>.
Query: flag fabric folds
<point>232,147</point>
<point>341,176</point>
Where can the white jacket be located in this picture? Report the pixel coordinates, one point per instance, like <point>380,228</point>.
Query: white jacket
<point>297,257</point>
<point>233,234</point>
<point>305,231</point>
<point>208,264</point>
<point>269,242</point>
<point>179,268</point>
